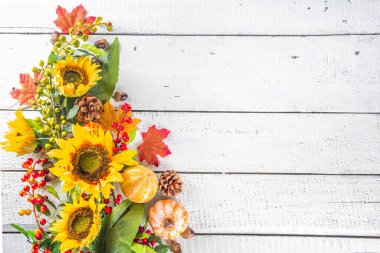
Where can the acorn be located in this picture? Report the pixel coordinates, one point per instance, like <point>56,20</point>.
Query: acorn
<point>54,37</point>
<point>96,60</point>
<point>102,44</point>
<point>119,96</point>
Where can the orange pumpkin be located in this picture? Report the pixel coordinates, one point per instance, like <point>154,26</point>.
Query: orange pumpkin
<point>168,219</point>
<point>140,184</point>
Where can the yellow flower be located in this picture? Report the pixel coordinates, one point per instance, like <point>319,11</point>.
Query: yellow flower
<point>79,224</point>
<point>21,138</point>
<point>74,77</point>
<point>87,161</point>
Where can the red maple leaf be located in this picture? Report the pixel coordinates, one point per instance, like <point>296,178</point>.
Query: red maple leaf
<point>25,95</point>
<point>152,145</point>
<point>66,20</point>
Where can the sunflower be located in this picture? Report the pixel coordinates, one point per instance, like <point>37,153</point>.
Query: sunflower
<point>21,138</point>
<point>74,77</point>
<point>87,161</point>
<point>79,224</point>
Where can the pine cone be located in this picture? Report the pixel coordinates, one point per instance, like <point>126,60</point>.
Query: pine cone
<point>90,108</point>
<point>170,183</point>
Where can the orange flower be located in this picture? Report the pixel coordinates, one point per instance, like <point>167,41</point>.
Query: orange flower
<point>110,115</point>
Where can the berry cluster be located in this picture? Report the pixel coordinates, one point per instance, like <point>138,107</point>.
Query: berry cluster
<point>121,139</point>
<point>35,248</point>
<point>143,237</point>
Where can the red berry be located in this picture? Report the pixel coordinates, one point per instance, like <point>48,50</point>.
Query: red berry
<point>106,201</point>
<point>123,147</point>
<point>23,179</point>
<point>108,209</point>
<point>46,197</point>
<point>122,120</point>
<point>68,251</point>
<point>145,240</point>
<point>121,128</point>
<point>40,200</point>
<point>81,251</point>
<point>38,236</point>
<point>84,195</point>
<point>22,193</point>
<point>27,188</point>
<point>141,229</point>
<point>41,230</point>
<point>27,176</point>
<point>119,196</point>
<point>33,200</point>
<point>148,232</point>
<point>42,183</point>
<point>115,149</point>
<point>29,161</point>
<point>36,246</point>
<point>47,251</point>
<point>125,138</point>
<point>117,201</point>
<point>118,140</point>
<point>34,186</point>
<point>115,125</point>
<point>43,208</point>
<point>25,165</point>
<point>41,173</point>
<point>35,174</point>
<point>45,160</point>
<point>152,243</point>
<point>38,161</point>
<point>129,120</point>
<point>137,240</point>
<point>42,222</point>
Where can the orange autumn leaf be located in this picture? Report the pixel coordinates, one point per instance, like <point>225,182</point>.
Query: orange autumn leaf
<point>110,115</point>
<point>66,20</point>
<point>25,95</point>
<point>152,145</point>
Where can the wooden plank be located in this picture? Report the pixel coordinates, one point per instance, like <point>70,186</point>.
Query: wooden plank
<point>260,74</point>
<point>301,17</point>
<point>261,143</point>
<point>260,204</point>
<point>257,244</point>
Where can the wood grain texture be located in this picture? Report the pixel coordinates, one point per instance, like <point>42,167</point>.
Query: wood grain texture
<point>237,244</point>
<point>260,204</point>
<point>261,143</point>
<point>260,74</point>
<point>301,17</point>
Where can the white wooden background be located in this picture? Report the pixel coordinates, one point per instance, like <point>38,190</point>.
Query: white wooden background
<point>273,106</point>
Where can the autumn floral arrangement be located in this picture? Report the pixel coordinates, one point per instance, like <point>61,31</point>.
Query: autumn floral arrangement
<point>80,153</point>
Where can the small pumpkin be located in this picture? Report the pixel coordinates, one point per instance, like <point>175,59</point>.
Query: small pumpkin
<point>168,219</point>
<point>140,184</point>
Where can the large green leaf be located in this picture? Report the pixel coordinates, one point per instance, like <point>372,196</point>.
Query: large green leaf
<point>139,248</point>
<point>97,246</point>
<point>117,212</point>
<point>110,73</point>
<point>124,230</point>
<point>28,234</point>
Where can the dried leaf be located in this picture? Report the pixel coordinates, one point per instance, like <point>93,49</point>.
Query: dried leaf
<point>152,145</point>
<point>111,115</point>
<point>66,20</point>
<point>25,95</point>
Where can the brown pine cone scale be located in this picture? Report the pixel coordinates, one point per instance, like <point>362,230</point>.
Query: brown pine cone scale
<point>170,183</point>
<point>90,108</point>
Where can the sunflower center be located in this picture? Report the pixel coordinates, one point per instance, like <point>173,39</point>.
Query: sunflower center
<point>79,224</point>
<point>74,75</point>
<point>90,163</point>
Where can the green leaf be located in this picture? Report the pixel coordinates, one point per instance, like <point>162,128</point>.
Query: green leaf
<point>53,58</point>
<point>131,135</point>
<point>73,112</point>
<point>46,243</point>
<point>139,248</point>
<point>117,212</point>
<point>93,49</point>
<point>49,202</point>
<point>24,232</point>
<point>125,229</point>
<point>35,125</point>
<point>162,248</point>
<point>38,207</point>
<point>52,191</point>
<point>110,74</point>
<point>155,238</point>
